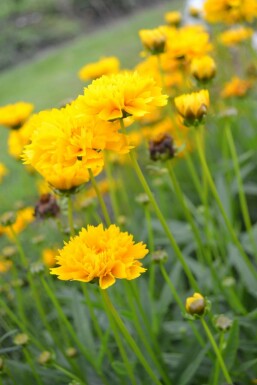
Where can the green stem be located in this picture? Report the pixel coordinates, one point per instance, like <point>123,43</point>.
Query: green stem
<point>160,216</point>
<point>100,199</point>
<point>70,216</point>
<point>242,198</point>
<point>123,353</point>
<point>19,247</point>
<point>108,169</point>
<point>217,352</point>
<point>220,205</point>
<point>217,365</point>
<point>69,374</point>
<point>179,302</point>
<point>129,339</point>
<point>32,367</point>
<point>151,249</point>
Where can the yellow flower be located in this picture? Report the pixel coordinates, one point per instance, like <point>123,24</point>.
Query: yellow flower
<point>203,68</point>
<point>154,40</point>
<point>100,254</point>
<point>236,87</point>
<point>193,107</point>
<point>67,143</point>
<point>173,18</point>
<point>187,42</point>
<point>14,115</point>
<point>117,96</point>
<point>194,12</point>
<point>230,11</point>
<point>3,171</point>
<point>195,305</point>
<point>48,257</point>
<point>5,265</point>
<point>235,36</point>
<point>105,66</point>
<point>23,218</point>
<point>19,138</point>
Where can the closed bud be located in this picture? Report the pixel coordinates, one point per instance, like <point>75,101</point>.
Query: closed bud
<point>223,323</point>
<point>203,68</point>
<point>8,219</point>
<point>47,207</point>
<point>195,305</point>
<point>21,339</point>
<point>162,148</point>
<point>154,40</point>
<point>44,358</point>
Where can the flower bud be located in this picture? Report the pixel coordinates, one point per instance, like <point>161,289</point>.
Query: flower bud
<point>195,305</point>
<point>193,107</point>
<point>203,68</point>
<point>154,40</point>
<point>223,323</point>
<point>173,18</point>
<point>8,219</point>
<point>46,207</point>
<point>44,358</point>
<point>21,339</point>
<point>162,148</point>
<point>160,256</point>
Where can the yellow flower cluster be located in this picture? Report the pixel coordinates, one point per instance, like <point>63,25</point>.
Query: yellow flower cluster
<point>14,115</point>
<point>236,35</point>
<point>67,143</point>
<point>105,66</point>
<point>100,254</point>
<point>230,11</point>
<point>117,96</point>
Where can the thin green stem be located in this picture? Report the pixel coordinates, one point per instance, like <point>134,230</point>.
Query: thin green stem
<point>32,366</point>
<point>220,205</point>
<point>123,352</point>
<point>217,365</point>
<point>108,169</point>
<point>151,249</point>
<point>242,198</point>
<point>70,216</point>
<point>217,352</point>
<point>131,342</point>
<point>19,247</point>
<point>160,216</point>
<point>69,374</point>
<point>100,199</point>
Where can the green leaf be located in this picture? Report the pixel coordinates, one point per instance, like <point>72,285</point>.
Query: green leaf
<point>119,368</point>
<point>192,368</point>
<point>230,351</point>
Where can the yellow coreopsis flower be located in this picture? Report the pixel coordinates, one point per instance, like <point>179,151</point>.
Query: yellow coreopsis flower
<point>173,18</point>
<point>14,115</point>
<point>203,68</point>
<point>236,87</point>
<point>102,255</point>
<point>23,218</point>
<point>66,144</point>
<point>3,171</point>
<point>154,40</point>
<point>117,96</point>
<point>195,305</point>
<point>230,11</point>
<point>187,42</point>
<point>235,36</point>
<point>193,107</point>
<point>105,66</point>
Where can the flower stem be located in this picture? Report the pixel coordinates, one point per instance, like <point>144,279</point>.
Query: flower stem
<point>217,352</point>
<point>100,199</point>
<point>70,216</point>
<point>242,198</point>
<point>129,339</point>
<point>19,247</point>
<point>108,169</point>
<point>220,205</point>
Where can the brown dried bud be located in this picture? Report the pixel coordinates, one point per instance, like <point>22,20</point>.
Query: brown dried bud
<point>162,148</point>
<point>47,207</point>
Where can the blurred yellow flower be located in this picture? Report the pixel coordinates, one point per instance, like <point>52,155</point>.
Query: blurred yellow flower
<point>230,11</point>
<point>102,255</point>
<point>173,18</point>
<point>203,68</point>
<point>5,265</point>
<point>105,66</point>
<point>14,115</point>
<point>3,171</point>
<point>154,40</point>
<point>48,257</point>
<point>236,35</point>
<point>117,96</point>
<point>193,107</point>
<point>195,305</point>
<point>236,87</point>
<point>23,218</point>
